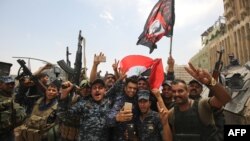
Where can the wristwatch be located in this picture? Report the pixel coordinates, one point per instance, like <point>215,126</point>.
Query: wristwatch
<point>213,82</point>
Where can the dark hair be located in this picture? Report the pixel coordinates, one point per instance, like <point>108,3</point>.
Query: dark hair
<point>56,83</point>
<point>106,75</point>
<point>177,81</point>
<point>142,78</point>
<point>132,79</point>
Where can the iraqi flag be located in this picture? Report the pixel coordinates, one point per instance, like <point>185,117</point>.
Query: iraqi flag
<point>137,64</point>
<point>160,23</point>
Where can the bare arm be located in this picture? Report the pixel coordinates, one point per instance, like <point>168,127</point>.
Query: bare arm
<point>160,101</point>
<point>167,133</point>
<point>221,97</point>
<point>164,114</point>
<point>115,68</point>
<point>170,64</point>
<point>96,62</point>
<point>41,69</point>
<point>170,71</point>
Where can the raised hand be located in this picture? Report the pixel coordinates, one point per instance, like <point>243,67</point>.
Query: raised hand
<point>97,59</point>
<point>164,113</point>
<point>65,89</point>
<point>160,101</point>
<point>48,66</point>
<point>199,74</point>
<point>115,65</point>
<point>123,116</point>
<point>170,61</point>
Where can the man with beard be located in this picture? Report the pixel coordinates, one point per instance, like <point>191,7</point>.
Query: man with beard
<point>143,83</point>
<point>195,89</point>
<point>92,112</point>
<point>109,80</point>
<point>69,128</point>
<point>167,94</point>
<point>193,119</point>
<point>148,124</point>
<point>11,113</point>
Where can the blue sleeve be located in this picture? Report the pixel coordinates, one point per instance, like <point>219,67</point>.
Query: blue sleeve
<point>66,111</point>
<point>111,120</point>
<point>115,89</point>
<point>170,76</point>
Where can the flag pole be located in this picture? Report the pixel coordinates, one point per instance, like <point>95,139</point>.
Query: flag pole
<point>171,41</point>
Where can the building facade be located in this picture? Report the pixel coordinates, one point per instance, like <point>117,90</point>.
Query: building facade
<point>230,33</point>
<point>181,73</point>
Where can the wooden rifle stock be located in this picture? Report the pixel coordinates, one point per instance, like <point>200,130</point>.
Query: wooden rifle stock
<point>217,68</point>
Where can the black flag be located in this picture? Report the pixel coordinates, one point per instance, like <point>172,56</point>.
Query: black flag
<point>160,23</point>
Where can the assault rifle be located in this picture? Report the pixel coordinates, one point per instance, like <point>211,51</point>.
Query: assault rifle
<point>67,56</point>
<point>74,73</point>
<point>27,72</point>
<point>217,68</point>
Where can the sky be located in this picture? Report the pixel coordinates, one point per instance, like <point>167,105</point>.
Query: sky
<point>44,28</point>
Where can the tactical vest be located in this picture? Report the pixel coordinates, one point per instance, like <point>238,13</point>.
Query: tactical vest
<point>69,129</point>
<point>36,127</point>
<point>11,114</point>
<point>188,125</point>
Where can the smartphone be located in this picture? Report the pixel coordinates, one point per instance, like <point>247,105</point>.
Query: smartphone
<point>127,106</point>
<point>102,58</point>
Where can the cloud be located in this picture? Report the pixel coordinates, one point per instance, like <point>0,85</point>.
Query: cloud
<point>107,16</point>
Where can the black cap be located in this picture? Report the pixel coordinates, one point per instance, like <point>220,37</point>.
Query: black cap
<point>142,78</point>
<point>6,79</point>
<point>98,81</point>
<point>143,94</point>
<point>195,81</point>
<point>109,74</point>
<point>166,82</point>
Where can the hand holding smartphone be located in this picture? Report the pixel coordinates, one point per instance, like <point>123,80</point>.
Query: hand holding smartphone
<point>127,106</point>
<point>100,58</point>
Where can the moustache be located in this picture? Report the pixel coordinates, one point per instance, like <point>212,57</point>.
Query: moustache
<point>175,97</point>
<point>193,91</point>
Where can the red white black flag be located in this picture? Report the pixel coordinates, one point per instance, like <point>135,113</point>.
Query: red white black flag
<point>160,23</point>
<point>138,64</point>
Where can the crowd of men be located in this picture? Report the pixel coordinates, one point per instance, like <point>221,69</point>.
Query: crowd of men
<point>113,108</point>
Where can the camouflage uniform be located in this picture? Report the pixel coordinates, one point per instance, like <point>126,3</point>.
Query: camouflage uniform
<point>93,126</point>
<point>27,96</point>
<point>41,125</point>
<point>11,114</point>
<point>150,128</point>
<point>119,128</point>
<point>92,118</point>
<point>69,127</point>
